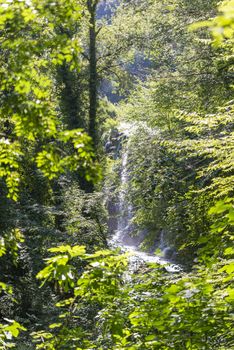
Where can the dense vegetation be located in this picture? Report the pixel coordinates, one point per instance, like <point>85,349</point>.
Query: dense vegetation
<point>73,72</point>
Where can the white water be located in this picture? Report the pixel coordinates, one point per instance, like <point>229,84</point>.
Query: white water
<point>122,237</point>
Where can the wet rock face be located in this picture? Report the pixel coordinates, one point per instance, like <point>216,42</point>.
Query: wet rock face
<point>112,209</point>
<point>168,253</point>
<point>114,143</point>
<point>108,146</point>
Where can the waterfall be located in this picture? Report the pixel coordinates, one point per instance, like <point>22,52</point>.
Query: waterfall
<point>124,209</point>
<point>122,237</point>
<point>124,234</point>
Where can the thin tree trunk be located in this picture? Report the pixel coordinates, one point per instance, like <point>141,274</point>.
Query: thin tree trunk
<point>92,4</point>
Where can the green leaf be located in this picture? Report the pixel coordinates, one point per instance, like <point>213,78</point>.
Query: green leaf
<point>150,337</point>
<point>55,325</point>
<point>229,251</point>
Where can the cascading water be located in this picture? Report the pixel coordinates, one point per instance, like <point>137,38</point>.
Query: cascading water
<point>122,237</point>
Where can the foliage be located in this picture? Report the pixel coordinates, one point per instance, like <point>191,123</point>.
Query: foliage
<point>28,102</point>
<point>8,332</point>
<point>96,282</point>
<point>222,25</point>
<point>32,135</point>
<point>152,311</point>
<point>85,218</point>
<point>176,79</point>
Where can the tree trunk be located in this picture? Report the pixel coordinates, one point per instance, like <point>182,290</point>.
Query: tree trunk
<point>92,5</point>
